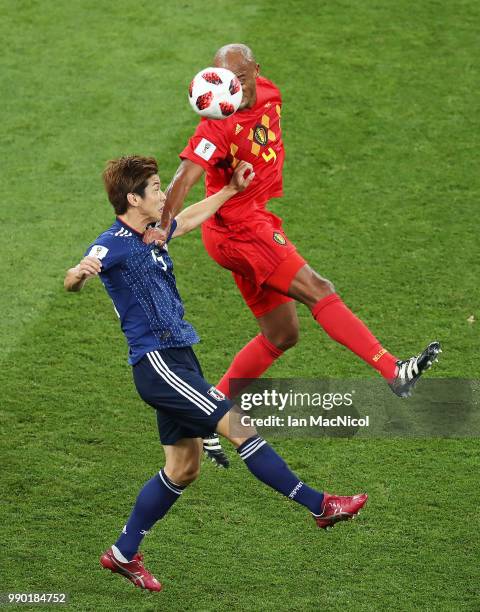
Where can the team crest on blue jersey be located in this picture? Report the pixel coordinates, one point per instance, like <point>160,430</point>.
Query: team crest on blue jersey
<point>216,394</point>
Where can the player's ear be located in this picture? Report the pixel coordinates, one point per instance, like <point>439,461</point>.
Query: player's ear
<point>132,199</point>
<point>257,70</point>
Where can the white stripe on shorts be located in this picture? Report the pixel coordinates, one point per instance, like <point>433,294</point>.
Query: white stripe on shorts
<point>180,385</point>
<point>207,402</point>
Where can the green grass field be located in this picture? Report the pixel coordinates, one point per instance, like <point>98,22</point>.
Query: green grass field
<point>381,127</point>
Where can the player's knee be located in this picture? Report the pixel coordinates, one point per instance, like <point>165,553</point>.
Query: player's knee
<point>185,474</point>
<point>283,337</point>
<point>321,286</point>
<point>239,440</point>
<point>236,426</point>
<point>287,338</point>
<point>190,474</point>
<point>309,287</point>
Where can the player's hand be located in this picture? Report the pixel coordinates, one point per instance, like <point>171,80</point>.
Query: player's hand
<point>156,235</point>
<point>88,267</point>
<point>243,176</point>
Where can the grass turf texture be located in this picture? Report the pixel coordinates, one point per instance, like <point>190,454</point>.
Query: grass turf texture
<point>381,190</point>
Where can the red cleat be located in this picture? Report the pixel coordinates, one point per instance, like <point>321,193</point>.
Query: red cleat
<point>337,508</point>
<point>134,570</point>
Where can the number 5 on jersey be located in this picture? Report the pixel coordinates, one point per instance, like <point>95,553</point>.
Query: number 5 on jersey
<point>159,259</point>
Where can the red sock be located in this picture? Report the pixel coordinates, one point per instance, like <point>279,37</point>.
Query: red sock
<point>343,326</point>
<point>251,362</point>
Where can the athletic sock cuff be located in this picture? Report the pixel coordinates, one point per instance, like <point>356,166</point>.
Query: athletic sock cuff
<point>250,446</point>
<point>271,348</point>
<point>165,481</point>
<point>326,301</point>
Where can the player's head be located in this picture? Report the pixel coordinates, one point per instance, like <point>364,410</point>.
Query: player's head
<point>240,60</point>
<point>132,183</point>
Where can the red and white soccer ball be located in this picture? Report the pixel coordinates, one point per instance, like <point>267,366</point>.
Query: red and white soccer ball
<point>215,93</point>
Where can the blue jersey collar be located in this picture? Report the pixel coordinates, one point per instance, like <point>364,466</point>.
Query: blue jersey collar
<point>129,228</point>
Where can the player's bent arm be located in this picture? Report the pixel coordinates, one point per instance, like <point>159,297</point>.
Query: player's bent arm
<point>187,174</point>
<point>196,214</point>
<point>77,276</point>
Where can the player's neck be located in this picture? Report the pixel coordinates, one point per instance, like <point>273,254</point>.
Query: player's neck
<point>252,103</point>
<point>136,221</point>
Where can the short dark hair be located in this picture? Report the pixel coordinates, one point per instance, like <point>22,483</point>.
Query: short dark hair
<point>128,174</point>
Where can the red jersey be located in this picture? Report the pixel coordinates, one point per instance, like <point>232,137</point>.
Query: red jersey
<point>252,135</point>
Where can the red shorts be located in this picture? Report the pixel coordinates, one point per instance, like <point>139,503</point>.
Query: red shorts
<point>262,260</point>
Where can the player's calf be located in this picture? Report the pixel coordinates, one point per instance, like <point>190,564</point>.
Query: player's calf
<point>266,465</point>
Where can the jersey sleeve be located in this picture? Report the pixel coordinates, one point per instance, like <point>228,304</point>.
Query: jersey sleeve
<point>208,145</point>
<point>111,250</point>
<point>173,227</point>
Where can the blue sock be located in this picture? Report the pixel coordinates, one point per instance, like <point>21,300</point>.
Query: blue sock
<point>154,501</point>
<point>270,468</point>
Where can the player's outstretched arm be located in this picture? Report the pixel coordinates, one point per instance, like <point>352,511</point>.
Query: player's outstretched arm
<point>187,174</point>
<point>76,277</point>
<point>196,214</point>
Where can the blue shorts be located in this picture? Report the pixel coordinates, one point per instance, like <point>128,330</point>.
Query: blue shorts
<point>187,406</point>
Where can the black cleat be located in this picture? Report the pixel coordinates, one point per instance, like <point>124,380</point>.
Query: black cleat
<point>410,370</point>
<point>214,451</point>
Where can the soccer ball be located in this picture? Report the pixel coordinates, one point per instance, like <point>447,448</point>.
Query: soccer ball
<point>215,93</point>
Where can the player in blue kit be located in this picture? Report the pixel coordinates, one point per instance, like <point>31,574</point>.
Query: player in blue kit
<point>139,279</point>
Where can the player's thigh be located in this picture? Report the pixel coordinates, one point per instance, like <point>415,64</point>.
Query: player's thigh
<point>187,405</point>
<point>260,299</point>
<point>254,253</point>
<point>235,426</point>
<point>182,460</point>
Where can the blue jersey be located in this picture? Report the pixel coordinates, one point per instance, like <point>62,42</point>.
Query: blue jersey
<point>140,281</point>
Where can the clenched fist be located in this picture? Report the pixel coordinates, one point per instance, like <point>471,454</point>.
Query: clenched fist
<point>156,235</point>
<point>88,267</point>
<point>243,176</point>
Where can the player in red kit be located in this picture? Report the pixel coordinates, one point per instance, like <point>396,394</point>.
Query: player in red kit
<point>246,238</point>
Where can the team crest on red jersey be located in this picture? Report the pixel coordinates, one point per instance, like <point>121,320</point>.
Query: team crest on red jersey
<point>279,238</point>
<point>260,134</point>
